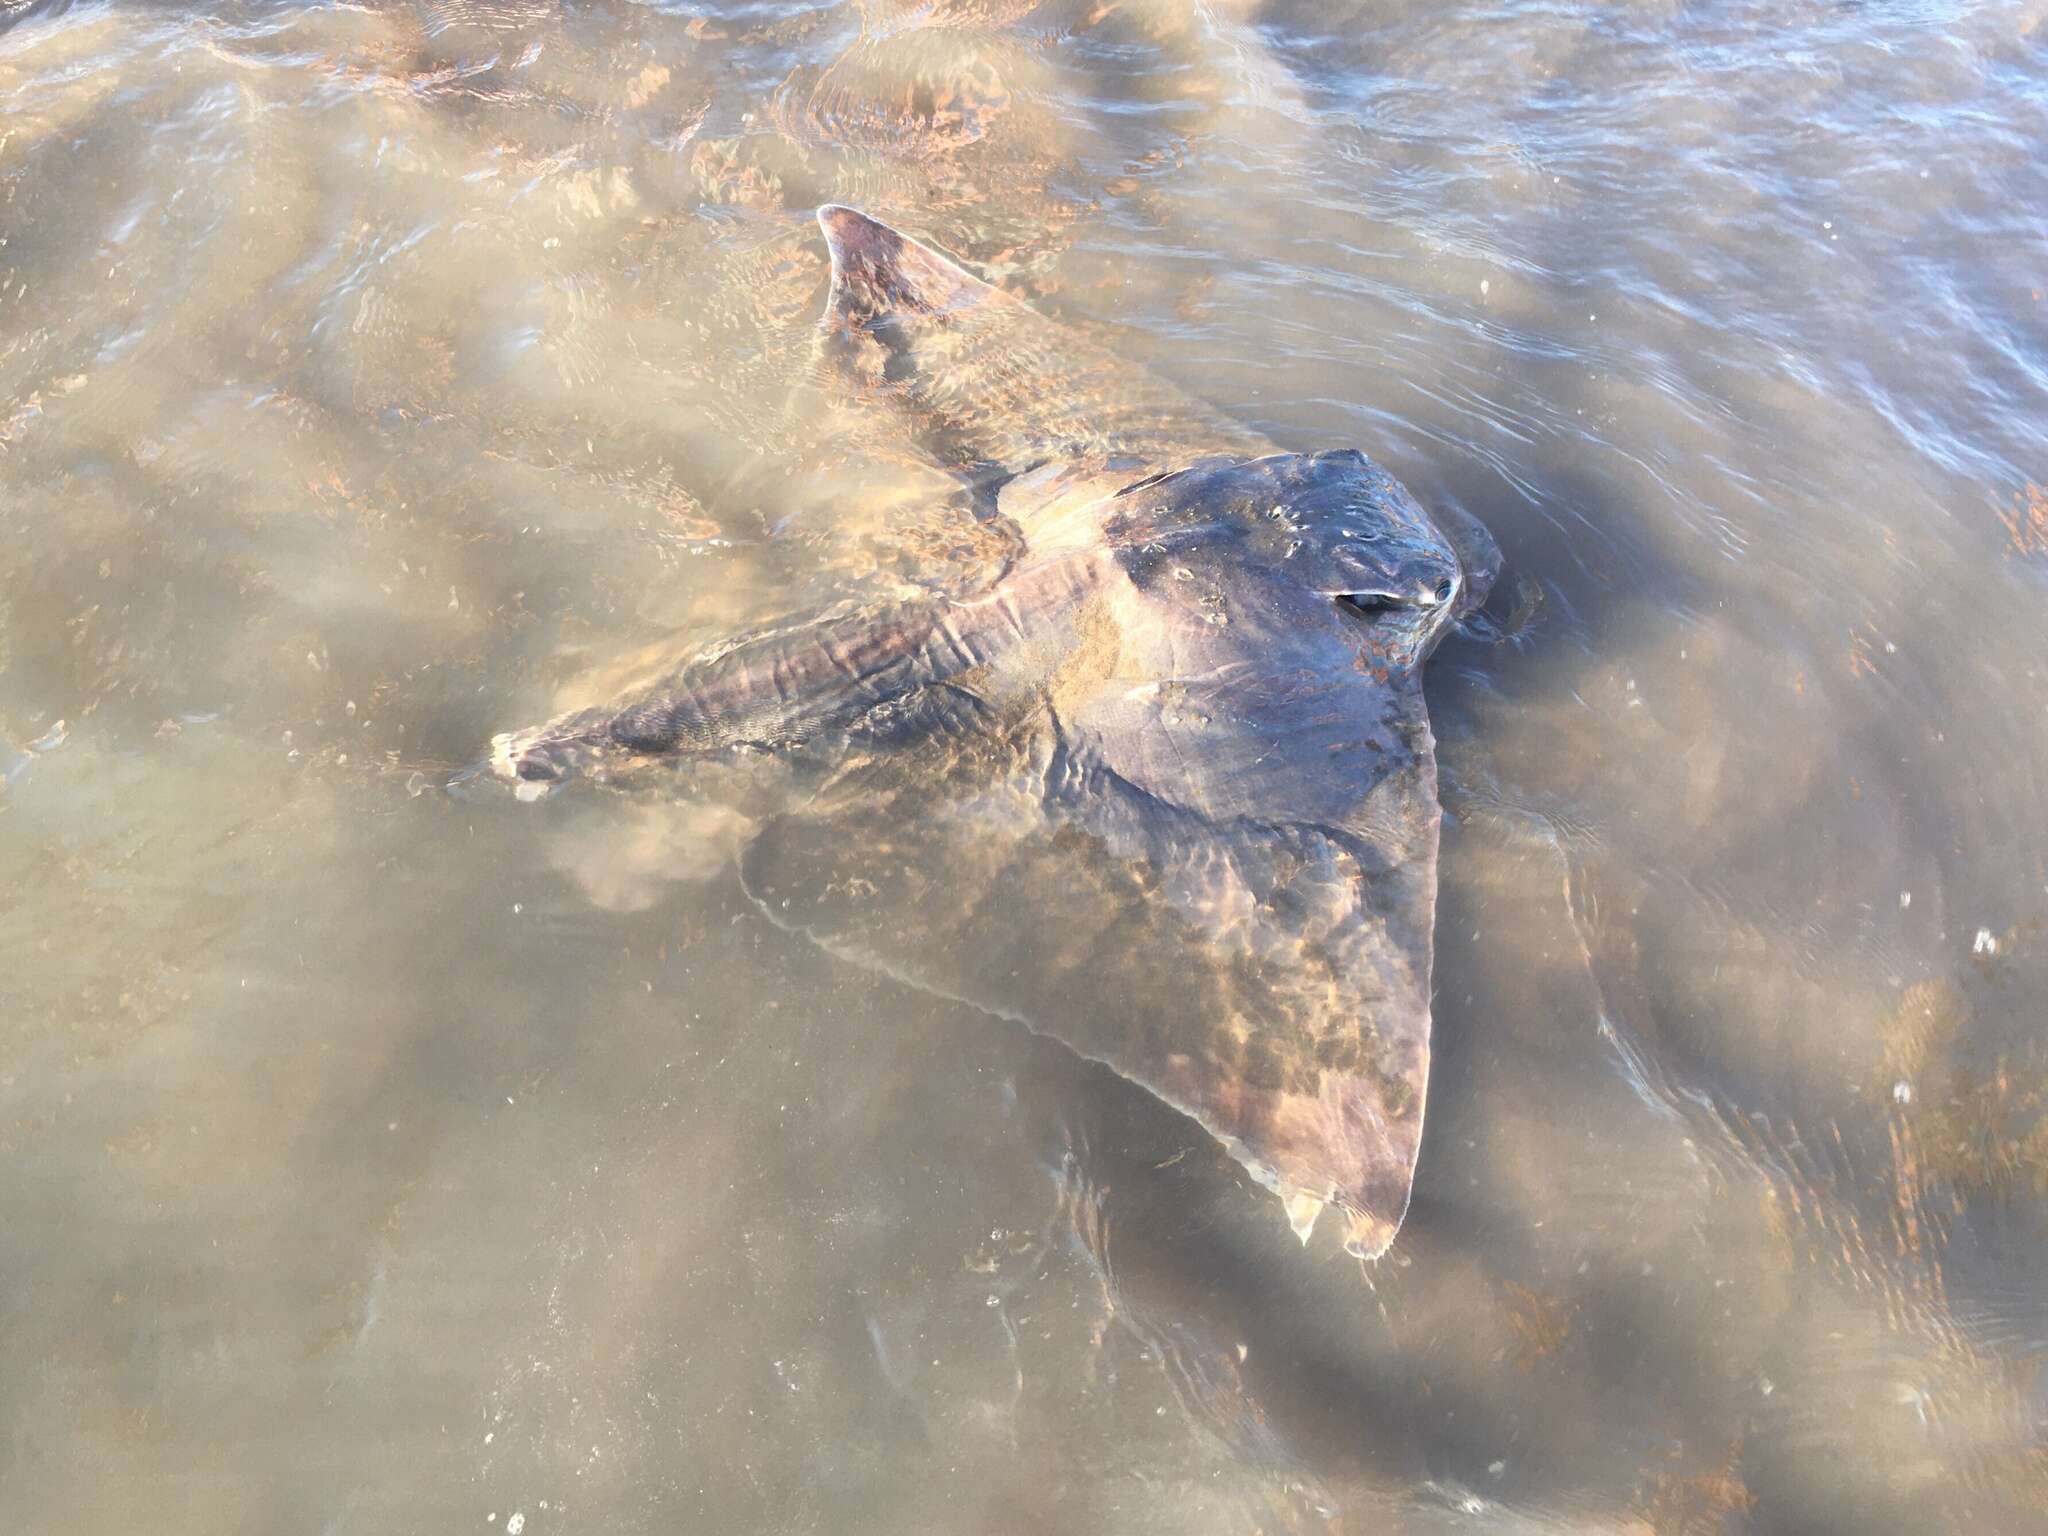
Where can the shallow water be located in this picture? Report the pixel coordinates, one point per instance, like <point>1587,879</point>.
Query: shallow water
<point>375,1158</point>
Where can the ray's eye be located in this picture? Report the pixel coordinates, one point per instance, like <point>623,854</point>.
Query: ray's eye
<point>1443,590</point>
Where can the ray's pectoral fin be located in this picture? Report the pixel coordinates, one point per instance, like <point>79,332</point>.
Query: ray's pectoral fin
<point>991,383</point>
<point>1269,979</point>
<point>1231,973</point>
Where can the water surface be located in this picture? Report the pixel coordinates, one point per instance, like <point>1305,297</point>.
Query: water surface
<point>375,378</point>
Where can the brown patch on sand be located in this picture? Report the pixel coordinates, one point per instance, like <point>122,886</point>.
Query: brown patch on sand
<point>1983,1135</point>
<point>1541,1324</point>
<point>2027,523</point>
<point>1697,1503</point>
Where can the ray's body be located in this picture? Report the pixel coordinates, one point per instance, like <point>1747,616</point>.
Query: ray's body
<point>1165,791</point>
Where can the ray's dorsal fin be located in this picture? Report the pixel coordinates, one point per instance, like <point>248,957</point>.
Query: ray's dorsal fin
<point>877,272</point>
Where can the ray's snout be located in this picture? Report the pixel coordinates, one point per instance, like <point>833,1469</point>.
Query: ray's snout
<point>1479,558</point>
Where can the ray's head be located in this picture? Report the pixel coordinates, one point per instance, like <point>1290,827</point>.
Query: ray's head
<point>1340,526</point>
<point>1344,527</point>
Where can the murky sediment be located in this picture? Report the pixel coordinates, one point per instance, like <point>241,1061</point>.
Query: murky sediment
<point>377,378</point>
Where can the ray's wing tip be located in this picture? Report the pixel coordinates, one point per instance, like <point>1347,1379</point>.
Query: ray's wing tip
<point>1369,1236</point>
<point>848,229</point>
<point>1366,1235</point>
<point>859,248</point>
<point>1302,1211</point>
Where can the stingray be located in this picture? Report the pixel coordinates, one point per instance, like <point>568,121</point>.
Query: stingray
<point>1163,790</point>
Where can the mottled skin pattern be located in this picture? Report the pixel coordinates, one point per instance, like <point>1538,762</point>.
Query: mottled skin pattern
<point>1165,791</point>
